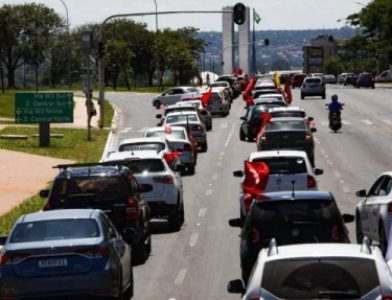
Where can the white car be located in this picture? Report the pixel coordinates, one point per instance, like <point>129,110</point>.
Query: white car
<point>166,198</point>
<point>288,170</point>
<point>317,271</point>
<point>219,103</point>
<point>179,141</point>
<point>192,122</point>
<point>374,211</point>
<point>204,113</point>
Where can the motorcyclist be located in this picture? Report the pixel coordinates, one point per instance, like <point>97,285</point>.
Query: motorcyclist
<point>334,106</point>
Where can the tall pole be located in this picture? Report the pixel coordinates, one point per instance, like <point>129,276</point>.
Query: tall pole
<point>69,47</point>
<point>157,50</point>
<point>254,67</point>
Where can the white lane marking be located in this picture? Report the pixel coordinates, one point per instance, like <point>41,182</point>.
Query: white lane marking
<point>172,298</point>
<point>180,276</point>
<point>346,189</point>
<point>193,239</point>
<point>337,174</point>
<point>202,212</point>
<point>367,122</point>
<point>142,130</point>
<point>219,163</point>
<point>387,122</point>
<point>222,153</point>
<point>209,192</point>
<point>344,122</point>
<point>341,181</point>
<point>230,135</point>
<point>329,162</point>
<point>215,176</point>
<point>125,130</point>
<point>224,125</point>
<point>323,151</point>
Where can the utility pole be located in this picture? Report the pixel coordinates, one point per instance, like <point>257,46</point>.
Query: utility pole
<point>69,48</point>
<point>90,109</point>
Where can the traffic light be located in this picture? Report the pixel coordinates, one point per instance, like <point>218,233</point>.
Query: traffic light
<point>239,13</point>
<point>266,42</point>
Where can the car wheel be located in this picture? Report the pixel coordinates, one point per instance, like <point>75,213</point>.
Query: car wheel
<point>302,96</point>
<point>382,239</point>
<point>175,221</point>
<point>191,170</point>
<point>141,250</point>
<point>242,135</point>
<point>358,228</point>
<point>323,96</point>
<point>204,147</point>
<point>157,104</point>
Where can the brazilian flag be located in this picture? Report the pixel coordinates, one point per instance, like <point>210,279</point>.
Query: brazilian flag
<point>256,17</point>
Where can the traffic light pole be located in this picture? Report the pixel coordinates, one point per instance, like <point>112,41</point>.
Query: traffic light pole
<point>101,66</point>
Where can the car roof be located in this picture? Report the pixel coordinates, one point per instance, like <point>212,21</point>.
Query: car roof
<point>318,250</point>
<point>178,113</point>
<point>287,119</point>
<point>139,154</point>
<point>59,214</point>
<point>270,95</point>
<point>142,140</point>
<point>183,104</point>
<point>88,171</point>
<point>277,153</point>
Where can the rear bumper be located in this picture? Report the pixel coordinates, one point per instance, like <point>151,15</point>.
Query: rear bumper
<point>162,210</point>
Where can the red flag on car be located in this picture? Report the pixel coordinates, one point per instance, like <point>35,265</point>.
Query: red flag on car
<point>205,98</point>
<point>287,91</point>
<point>256,177</point>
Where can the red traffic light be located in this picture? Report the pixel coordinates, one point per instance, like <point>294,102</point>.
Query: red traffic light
<point>239,13</point>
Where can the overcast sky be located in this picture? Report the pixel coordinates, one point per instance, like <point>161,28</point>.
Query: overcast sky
<point>275,14</point>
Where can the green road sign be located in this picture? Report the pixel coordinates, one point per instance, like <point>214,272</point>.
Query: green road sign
<point>44,107</point>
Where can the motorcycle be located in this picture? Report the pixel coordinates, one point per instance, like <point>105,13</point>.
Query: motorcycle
<point>335,121</point>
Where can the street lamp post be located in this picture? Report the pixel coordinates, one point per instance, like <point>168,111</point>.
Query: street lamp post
<point>157,50</point>
<point>69,47</point>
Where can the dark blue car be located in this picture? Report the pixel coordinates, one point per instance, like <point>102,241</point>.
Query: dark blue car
<point>73,252</point>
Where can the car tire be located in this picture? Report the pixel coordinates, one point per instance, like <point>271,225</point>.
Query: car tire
<point>382,239</point>
<point>204,147</point>
<point>302,96</point>
<point>358,229</point>
<point>142,250</point>
<point>157,104</point>
<point>323,96</point>
<point>242,135</point>
<point>176,220</point>
<point>191,170</point>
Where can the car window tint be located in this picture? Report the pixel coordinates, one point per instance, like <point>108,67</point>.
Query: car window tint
<point>55,230</point>
<point>192,90</point>
<point>307,278</point>
<point>286,125</point>
<point>282,114</point>
<point>313,80</point>
<point>181,118</point>
<point>284,165</point>
<point>146,165</point>
<point>142,146</point>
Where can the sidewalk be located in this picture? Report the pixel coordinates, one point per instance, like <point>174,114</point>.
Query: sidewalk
<point>23,175</point>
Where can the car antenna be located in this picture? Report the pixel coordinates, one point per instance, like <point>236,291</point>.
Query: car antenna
<point>293,189</point>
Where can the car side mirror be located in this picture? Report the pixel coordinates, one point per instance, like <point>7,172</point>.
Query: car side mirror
<point>235,222</point>
<point>318,171</point>
<point>145,188</point>
<point>238,173</point>
<point>3,239</point>
<point>158,116</point>
<point>348,218</point>
<point>310,119</point>
<point>236,287</point>
<point>243,118</point>
<point>312,130</point>
<point>361,193</point>
<point>44,193</point>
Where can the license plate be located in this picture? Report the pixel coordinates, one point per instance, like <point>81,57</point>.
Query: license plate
<point>53,263</point>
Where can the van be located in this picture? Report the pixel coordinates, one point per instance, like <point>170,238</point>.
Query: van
<point>384,76</point>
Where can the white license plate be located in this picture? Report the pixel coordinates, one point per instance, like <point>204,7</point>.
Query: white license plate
<point>53,263</point>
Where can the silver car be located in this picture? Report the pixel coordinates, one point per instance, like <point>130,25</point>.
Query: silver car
<point>318,271</point>
<point>173,95</point>
<point>219,103</point>
<point>313,86</point>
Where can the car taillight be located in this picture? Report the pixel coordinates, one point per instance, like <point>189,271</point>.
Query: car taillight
<point>187,147</point>
<point>47,206</point>
<point>247,201</point>
<point>196,127</point>
<point>386,297</point>
<point>311,182</point>
<point>163,179</point>
<point>308,138</point>
<point>99,251</point>
<point>390,208</point>
<point>131,209</point>
<point>12,257</point>
<point>335,234</point>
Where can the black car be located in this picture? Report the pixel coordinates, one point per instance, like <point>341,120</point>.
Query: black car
<point>287,133</point>
<point>291,217</point>
<point>350,79</point>
<point>251,123</point>
<point>110,188</point>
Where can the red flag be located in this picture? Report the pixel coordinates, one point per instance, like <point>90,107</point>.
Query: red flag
<point>247,98</point>
<point>256,177</point>
<point>287,91</point>
<point>265,118</point>
<point>205,98</point>
<point>170,156</point>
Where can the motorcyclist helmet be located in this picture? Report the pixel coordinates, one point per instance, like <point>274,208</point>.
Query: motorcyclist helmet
<point>334,98</point>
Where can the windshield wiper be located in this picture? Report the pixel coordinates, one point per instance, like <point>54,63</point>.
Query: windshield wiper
<point>337,295</point>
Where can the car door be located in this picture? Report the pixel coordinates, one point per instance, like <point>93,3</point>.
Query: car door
<point>366,214</point>
<point>168,97</point>
<point>378,205</point>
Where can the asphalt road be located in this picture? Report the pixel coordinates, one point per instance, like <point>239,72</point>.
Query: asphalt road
<point>198,261</point>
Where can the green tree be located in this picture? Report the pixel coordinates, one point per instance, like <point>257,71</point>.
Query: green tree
<point>334,65</point>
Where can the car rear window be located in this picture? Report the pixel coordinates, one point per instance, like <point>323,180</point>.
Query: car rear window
<point>277,125</point>
<point>51,230</point>
<point>181,118</point>
<point>176,134</point>
<point>284,165</point>
<point>142,146</point>
<point>313,80</point>
<point>146,166</point>
<point>282,114</point>
<point>180,108</point>
<point>324,278</point>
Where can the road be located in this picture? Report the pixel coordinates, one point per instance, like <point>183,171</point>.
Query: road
<point>198,261</point>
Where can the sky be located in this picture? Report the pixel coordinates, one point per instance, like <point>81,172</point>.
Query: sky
<point>275,14</point>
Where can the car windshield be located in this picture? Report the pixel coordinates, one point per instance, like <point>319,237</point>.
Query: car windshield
<point>176,134</point>
<point>277,125</point>
<point>142,146</point>
<point>284,165</point>
<point>146,166</point>
<point>51,230</point>
<point>298,221</point>
<point>181,118</point>
<point>323,278</point>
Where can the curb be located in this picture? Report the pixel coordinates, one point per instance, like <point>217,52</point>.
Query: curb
<point>113,132</point>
